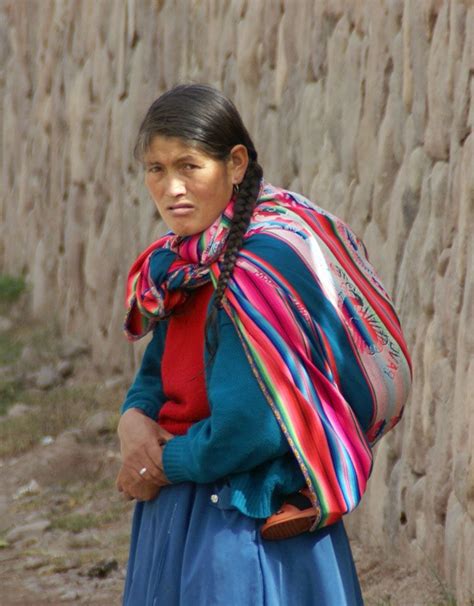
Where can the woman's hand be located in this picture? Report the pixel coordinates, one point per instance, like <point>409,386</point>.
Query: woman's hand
<point>141,444</point>
<point>134,486</point>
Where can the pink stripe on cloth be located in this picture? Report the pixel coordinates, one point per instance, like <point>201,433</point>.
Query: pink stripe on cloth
<point>280,335</point>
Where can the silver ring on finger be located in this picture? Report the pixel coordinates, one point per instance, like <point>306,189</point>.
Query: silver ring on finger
<point>143,471</point>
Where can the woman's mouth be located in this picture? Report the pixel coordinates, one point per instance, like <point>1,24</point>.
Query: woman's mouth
<point>180,210</point>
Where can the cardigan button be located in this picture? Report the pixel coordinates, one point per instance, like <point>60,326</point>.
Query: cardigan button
<point>214,498</point>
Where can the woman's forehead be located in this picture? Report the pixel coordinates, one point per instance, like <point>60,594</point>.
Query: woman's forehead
<point>167,148</point>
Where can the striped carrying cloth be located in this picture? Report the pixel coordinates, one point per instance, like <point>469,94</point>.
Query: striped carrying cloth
<point>297,354</point>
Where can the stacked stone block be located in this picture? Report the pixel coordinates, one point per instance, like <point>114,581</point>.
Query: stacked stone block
<point>366,107</point>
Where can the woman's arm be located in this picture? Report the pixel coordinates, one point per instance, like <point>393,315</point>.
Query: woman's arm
<point>146,391</point>
<point>241,432</point>
<point>141,438</point>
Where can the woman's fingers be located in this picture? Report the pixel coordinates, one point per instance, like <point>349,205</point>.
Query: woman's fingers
<point>136,430</point>
<point>151,473</point>
<point>119,486</point>
<point>146,461</point>
<point>154,453</point>
<point>141,442</point>
<point>134,486</point>
<point>147,492</point>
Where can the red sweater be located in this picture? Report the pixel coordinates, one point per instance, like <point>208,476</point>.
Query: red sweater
<point>182,365</point>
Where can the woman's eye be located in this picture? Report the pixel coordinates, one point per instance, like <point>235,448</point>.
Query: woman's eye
<point>190,166</point>
<point>154,169</point>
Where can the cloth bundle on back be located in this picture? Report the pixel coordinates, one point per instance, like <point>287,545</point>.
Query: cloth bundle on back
<point>329,356</point>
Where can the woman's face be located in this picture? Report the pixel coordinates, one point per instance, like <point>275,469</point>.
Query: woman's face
<point>190,188</point>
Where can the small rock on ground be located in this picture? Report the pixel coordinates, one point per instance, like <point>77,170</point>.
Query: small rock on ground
<point>5,324</point>
<point>113,382</point>
<point>47,377</point>
<point>69,596</point>
<point>72,348</point>
<point>29,357</point>
<point>99,423</point>
<point>18,409</point>
<point>33,563</point>
<point>27,530</point>
<point>65,368</point>
<point>27,490</point>
<point>102,569</point>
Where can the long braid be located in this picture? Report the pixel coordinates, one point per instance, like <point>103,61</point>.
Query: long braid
<point>202,116</point>
<point>243,209</point>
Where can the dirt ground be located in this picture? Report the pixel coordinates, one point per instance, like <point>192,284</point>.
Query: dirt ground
<point>79,552</point>
<point>64,531</point>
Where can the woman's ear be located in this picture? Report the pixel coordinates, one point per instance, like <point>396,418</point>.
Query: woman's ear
<point>239,160</point>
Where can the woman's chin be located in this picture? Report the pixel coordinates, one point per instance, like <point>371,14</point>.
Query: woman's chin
<point>184,232</point>
<point>185,226</point>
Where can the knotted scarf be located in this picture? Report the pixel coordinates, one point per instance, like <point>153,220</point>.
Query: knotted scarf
<point>295,355</point>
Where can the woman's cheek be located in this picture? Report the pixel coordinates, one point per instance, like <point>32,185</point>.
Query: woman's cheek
<point>154,191</point>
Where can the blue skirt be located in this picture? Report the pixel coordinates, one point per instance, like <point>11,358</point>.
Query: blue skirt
<point>190,547</point>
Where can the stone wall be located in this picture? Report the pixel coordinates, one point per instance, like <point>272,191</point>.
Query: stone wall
<point>363,106</point>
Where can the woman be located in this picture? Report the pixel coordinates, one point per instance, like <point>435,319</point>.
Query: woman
<point>276,362</point>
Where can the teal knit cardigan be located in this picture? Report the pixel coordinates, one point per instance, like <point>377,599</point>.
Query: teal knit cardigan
<point>241,442</point>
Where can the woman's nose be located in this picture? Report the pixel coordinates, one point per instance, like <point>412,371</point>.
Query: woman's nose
<point>175,187</point>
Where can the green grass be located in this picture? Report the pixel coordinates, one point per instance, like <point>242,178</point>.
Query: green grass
<point>10,389</point>
<point>52,412</point>
<point>449,598</point>
<point>10,392</point>
<point>77,522</point>
<point>3,542</point>
<point>10,348</point>
<point>42,339</point>
<point>85,491</point>
<point>11,287</point>
<point>76,543</point>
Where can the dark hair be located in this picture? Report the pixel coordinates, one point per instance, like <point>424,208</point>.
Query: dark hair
<point>205,117</point>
